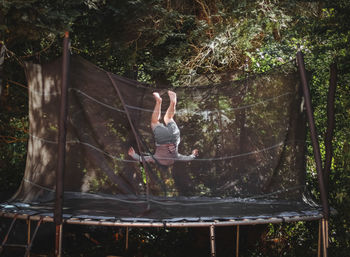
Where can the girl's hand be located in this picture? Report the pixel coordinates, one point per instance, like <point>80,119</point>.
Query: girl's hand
<point>131,151</point>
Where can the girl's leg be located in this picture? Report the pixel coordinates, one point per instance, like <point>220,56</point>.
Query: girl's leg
<point>169,115</point>
<point>157,110</point>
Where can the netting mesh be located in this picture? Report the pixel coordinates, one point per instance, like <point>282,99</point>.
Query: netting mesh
<point>250,135</point>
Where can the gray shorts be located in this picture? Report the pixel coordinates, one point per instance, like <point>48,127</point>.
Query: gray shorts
<point>169,134</point>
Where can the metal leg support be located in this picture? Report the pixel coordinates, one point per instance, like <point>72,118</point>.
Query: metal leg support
<point>327,234</point>
<point>322,238</point>
<point>319,239</point>
<point>237,241</point>
<point>30,241</point>
<point>7,234</point>
<point>58,245</point>
<point>127,238</point>
<point>212,241</point>
<point>29,231</point>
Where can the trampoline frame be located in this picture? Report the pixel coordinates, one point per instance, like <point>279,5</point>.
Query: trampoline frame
<point>322,237</point>
<point>59,219</point>
<point>118,223</point>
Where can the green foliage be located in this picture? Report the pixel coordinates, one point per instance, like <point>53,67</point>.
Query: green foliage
<point>13,150</point>
<point>174,42</point>
<point>33,19</point>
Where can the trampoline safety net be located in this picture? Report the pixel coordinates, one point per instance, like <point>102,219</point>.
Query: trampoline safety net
<point>250,135</point>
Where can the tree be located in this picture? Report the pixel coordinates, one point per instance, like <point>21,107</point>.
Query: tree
<point>173,42</point>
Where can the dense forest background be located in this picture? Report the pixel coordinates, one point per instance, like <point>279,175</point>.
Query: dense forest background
<point>172,42</point>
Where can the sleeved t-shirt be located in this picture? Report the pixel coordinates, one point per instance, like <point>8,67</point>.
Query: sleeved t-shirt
<point>167,138</point>
<point>166,155</point>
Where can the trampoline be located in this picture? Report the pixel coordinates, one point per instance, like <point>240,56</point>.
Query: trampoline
<point>250,134</point>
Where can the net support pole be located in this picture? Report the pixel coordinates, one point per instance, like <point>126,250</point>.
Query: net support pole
<point>212,241</point>
<point>315,146</point>
<point>61,158</point>
<point>313,134</point>
<point>138,141</point>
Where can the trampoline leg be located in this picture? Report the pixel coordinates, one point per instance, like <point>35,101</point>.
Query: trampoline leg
<point>237,241</point>
<point>30,242</point>
<point>319,239</point>
<point>58,245</point>
<point>126,238</point>
<point>327,235</point>
<point>28,234</point>
<point>8,233</point>
<point>324,238</point>
<point>212,241</point>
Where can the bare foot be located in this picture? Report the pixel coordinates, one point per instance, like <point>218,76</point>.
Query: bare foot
<point>157,97</point>
<point>172,96</point>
